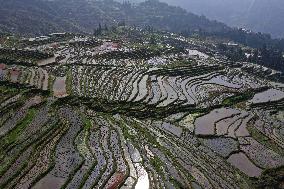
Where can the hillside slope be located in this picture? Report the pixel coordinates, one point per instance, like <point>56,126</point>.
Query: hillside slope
<point>32,17</point>
<point>42,16</point>
<point>39,17</point>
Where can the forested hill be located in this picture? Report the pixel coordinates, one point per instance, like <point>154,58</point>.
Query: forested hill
<point>38,17</point>
<point>43,16</point>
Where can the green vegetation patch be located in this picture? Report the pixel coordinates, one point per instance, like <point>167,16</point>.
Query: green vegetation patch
<point>87,123</point>
<point>176,183</point>
<point>238,98</point>
<point>12,136</point>
<point>157,164</point>
<point>241,97</point>
<point>7,91</point>
<point>69,81</point>
<point>271,179</point>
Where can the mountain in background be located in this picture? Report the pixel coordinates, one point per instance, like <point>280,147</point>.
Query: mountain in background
<point>40,17</point>
<point>264,16</point>
<point>44,16</point>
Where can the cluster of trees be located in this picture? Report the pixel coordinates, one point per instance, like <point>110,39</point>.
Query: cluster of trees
<point>248,38</point>
<point>100,29</point>
<point>234,53</point>
<point>269,57</point>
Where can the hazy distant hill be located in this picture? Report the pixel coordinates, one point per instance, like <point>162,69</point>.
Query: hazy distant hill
<point>257,15</point>
<point>266,16</point>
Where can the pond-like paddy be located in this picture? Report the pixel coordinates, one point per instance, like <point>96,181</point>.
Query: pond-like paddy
<point>205,125</point>
<point>242,162</point>
<point>59,87</point>
<point>268,96</point>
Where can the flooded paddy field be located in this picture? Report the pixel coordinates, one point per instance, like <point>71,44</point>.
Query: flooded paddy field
<point>96,123</point>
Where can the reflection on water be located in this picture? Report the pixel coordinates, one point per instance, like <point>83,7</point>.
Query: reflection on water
<point>59,87</point>
<point>205,125</point>
<point>221,80</point>
<point>143,180</point>
<point>197,53</point>
<point>268,96</point>
<point>242,162</point>
<point>49,182</point>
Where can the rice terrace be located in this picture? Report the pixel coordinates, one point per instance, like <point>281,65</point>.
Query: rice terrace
<point>136,108</point>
